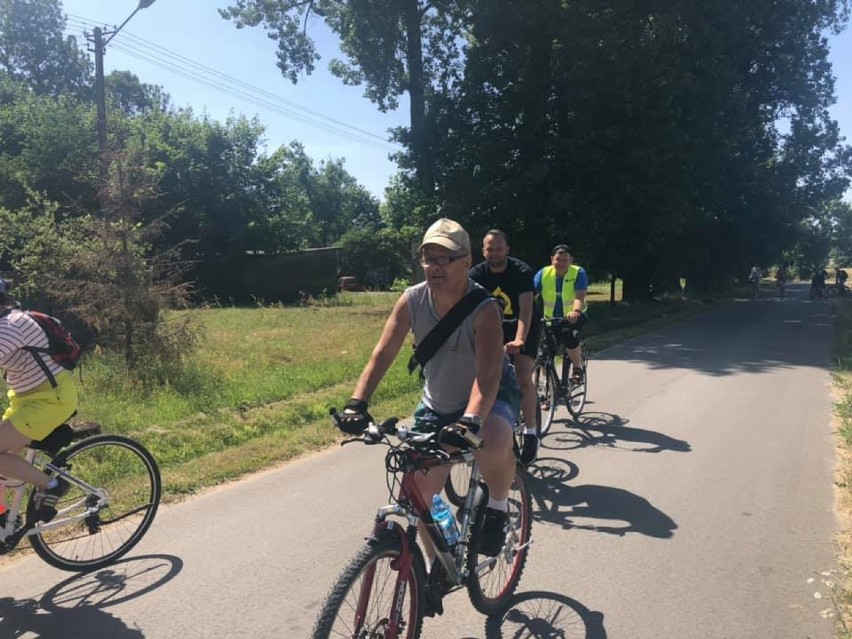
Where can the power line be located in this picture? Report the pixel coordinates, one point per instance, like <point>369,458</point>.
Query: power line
<point>177,64</point>
<point>264,104</point>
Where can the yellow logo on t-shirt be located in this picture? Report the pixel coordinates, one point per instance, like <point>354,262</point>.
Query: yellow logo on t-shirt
<point>505,302</point>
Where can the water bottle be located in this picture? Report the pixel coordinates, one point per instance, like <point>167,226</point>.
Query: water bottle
<point>443,516</point>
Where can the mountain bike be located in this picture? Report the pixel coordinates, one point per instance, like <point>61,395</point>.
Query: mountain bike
<point>384,592</point>
<point>553,387</point>
<point>837,290</point>
<point>114,494</point>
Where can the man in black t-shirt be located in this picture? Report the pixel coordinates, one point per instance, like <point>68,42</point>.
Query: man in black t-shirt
<point>511,281</point>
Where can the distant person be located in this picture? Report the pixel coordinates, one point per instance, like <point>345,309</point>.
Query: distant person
<point>754,277</point>
<point>781,280</point>
<point>511,281</point>
<point>563,287</point>
<point>818,283</point>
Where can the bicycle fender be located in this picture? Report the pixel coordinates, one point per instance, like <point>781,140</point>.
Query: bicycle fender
<point>389,527</point>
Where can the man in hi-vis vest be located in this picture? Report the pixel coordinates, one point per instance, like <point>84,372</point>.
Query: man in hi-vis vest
<point>563,286</point>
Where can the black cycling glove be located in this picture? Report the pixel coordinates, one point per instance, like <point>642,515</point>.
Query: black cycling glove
<point>354,419</point>
<point>462,434</point>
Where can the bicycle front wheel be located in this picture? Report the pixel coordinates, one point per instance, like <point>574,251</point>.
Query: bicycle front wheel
<point>492,580</point>
<point>362,601</point>
<point>104,525</point>
<point>545,382</point>
<point>458,483</point>
<point>576,399</point>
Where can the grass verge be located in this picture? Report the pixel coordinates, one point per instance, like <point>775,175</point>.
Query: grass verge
<point>839,586</point>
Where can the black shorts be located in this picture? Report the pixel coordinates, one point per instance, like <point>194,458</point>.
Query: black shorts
<point>567,334</point>
<point>530,347</point>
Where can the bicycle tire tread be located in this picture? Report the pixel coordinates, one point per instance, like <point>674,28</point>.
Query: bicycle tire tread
<point>388,541</point>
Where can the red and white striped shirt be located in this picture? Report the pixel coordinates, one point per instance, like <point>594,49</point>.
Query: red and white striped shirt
<point>17,330</point>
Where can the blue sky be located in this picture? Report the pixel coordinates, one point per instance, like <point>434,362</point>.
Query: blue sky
<point>193,29</point>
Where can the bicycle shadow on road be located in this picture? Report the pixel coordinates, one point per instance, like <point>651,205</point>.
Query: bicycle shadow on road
<point>118,583</point>
<point>27,618</point>
<point>608,429</point>
<point>557,503</point>
<point>546,615</point>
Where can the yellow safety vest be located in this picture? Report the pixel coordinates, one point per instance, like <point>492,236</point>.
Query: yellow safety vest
<point>548,289</point>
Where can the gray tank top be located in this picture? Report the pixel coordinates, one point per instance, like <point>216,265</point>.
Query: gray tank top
<point>451,372</point>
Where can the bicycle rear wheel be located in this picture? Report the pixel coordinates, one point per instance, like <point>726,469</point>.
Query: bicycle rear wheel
<point>576,397</point>
<point>492,581</point>
<point>361,601</point>
<point>458,483</point>
<point>101,528</point>
<point>545,382</point>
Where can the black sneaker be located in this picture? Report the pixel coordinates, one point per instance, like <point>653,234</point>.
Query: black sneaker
<point>530,450</point>
<point>493,533</point>
<point>47,498</point>
<point>578,376</point>
<point>436,587</point>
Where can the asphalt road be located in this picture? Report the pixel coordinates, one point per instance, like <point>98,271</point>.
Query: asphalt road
<point>694,499</point>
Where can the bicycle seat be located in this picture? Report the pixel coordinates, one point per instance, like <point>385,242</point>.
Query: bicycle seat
<point>56,441</point>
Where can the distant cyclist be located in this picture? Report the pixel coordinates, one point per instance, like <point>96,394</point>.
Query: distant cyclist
<point>754,277</point>
<point>563,287</point>
<point>840,278</point>
<point>781,278</point>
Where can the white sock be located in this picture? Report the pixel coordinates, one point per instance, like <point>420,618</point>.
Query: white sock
<point>499,504</point>
<point>529,431</point>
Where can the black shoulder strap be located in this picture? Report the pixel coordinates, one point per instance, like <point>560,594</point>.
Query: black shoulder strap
<point>445,327</point>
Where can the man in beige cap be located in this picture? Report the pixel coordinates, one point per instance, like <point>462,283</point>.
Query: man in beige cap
<point>470,387</point>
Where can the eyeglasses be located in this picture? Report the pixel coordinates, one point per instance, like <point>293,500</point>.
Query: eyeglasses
<point>440,260</point>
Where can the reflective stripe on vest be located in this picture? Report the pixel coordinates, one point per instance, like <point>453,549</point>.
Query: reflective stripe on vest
<point>548,289</point>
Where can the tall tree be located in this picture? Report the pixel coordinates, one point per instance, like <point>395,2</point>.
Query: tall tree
<point>127,93</point>
<point>33,48</point>
<point>391,46</point>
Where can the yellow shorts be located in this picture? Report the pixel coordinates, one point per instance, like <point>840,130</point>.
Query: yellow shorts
<point>37,412</point>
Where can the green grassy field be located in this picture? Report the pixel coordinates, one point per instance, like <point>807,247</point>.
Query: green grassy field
<point>259,390</point>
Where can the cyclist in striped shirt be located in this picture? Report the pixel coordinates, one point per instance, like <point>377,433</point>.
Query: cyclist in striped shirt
<point>36,406</point>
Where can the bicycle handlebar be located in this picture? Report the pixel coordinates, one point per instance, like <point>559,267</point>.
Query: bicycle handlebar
<point>375,433</point>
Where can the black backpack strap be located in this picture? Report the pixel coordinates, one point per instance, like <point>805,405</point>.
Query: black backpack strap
<point>38,356</point>
<point>445,327</point>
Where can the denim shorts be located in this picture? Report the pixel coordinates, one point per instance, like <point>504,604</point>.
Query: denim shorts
<point>427,420</point>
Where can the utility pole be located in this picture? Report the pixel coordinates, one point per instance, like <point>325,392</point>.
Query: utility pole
<point>99,40</point>
<point>100,97</point>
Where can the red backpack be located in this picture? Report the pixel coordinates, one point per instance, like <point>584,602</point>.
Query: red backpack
<point>60,345</point>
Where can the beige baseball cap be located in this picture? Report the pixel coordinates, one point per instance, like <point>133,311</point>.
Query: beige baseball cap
<point>448,234</point>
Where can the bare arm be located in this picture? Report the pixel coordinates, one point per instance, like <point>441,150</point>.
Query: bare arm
<point>578,304</point>
<point>385,351</point>
<point>488,344</point>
